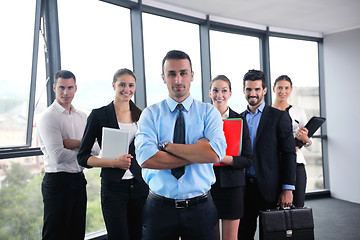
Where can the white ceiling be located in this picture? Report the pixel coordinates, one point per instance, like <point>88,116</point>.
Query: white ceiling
<point>319,16</point>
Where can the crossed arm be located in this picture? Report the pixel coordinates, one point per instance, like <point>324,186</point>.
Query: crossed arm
<point>71,143</point>
<point>178,155</point>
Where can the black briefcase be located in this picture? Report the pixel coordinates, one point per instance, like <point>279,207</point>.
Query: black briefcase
<point>289,224</point>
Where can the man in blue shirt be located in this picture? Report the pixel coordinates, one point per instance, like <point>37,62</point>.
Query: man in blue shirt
<point>181,205</point>
<point>271,178</point>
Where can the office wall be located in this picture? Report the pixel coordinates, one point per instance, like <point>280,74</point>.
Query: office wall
<point>342,90</point>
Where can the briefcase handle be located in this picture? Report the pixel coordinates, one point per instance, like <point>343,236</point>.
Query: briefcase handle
<point>285,208</point>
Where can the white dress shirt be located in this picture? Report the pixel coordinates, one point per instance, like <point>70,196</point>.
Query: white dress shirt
<point>54,125</point>
<point>132,128</point>
<point>299,120</point>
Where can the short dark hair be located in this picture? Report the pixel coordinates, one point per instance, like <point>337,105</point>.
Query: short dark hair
<point>175,54</point>
<point>223,78</point>
<point>283,77</point>
<point>121,72</point>
<point>254,75</point>
<point>65,74</point>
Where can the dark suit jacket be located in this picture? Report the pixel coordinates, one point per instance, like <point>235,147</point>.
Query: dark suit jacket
<point>234,176</point>
<point>274,153</point>
<point>99,118</point>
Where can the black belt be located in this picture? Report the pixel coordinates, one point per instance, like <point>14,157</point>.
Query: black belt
<point>180,203</point>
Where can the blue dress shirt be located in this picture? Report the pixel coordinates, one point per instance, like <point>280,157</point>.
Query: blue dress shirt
<point>253,120</point>
<point>156,125</point>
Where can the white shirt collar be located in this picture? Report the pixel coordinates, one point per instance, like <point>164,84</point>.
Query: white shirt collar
<point>226,114</point>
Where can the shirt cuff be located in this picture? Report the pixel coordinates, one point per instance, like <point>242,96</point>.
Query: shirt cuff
<point>288,187</point>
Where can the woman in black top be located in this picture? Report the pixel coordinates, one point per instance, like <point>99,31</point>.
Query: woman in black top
<point>229,188</point>
<point>123,191</point>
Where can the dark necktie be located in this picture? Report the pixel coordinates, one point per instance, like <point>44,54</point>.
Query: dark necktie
<point>179,137</point>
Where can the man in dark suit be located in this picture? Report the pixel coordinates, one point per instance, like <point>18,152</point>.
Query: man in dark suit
<point>271,178</point>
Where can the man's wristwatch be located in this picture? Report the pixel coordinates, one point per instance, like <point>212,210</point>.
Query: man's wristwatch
<point>162,146</point>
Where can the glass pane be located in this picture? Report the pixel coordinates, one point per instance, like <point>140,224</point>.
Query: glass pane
<point>21,203</point>
<point>94,44</point>
<point>233,55</point>
<point>94,217</point>
<point>40,95</point>
<point>160,36</point>
<point>299,60</point>
<point>17,26</point>
<point>314,166</point>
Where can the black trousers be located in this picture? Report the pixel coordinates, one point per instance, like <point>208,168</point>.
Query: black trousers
<point>300,186</point>
<point>254,202</point>
<point>64,197</point>
<point>122,205</point>
<point>164,222</point>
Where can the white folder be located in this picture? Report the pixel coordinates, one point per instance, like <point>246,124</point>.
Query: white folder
<point>115,142</point>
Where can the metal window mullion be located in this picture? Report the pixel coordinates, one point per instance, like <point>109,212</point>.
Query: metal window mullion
<point>205,59</point>
<point>52,41</point>
<point>324,142</point>
<point>265,62</point>
<point>33,74</point>
<point>138,55</point>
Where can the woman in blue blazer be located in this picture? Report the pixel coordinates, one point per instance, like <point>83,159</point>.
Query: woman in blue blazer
<point>229,188</point>
<point>123,191</point>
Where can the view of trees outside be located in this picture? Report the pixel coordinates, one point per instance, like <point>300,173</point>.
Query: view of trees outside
<point>21,203</point>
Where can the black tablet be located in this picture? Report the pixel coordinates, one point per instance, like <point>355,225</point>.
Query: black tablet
<point>312,125</point>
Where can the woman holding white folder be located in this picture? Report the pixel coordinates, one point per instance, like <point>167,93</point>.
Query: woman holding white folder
<point>123,191</point>
<point>229,189</point>
<point>282,89</point>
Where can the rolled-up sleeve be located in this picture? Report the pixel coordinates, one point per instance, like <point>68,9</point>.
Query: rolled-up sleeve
<point>214,131</point>
<point>146,137</point>
<point>49,131</point>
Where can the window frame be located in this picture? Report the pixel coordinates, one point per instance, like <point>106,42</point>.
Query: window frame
<point>31,104</point>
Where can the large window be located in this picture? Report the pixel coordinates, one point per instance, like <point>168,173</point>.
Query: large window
<point>160,36</point>
<point>94,44</point>
<point>233,55</point>
<point>16,61</point>
<point>299,60</point>
<point>20,178</point>
<point>95,41</point>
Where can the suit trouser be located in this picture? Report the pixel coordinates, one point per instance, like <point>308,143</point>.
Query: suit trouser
<point>164,222</point>
<point>300,186</point>
<point>254,202</point>
<point>122,205</point>
<point>64,197</point>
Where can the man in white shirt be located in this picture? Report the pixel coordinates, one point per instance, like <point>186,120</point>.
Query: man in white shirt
<point>60,129</point>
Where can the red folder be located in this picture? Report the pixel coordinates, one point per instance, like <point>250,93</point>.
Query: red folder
<point>232,128</point>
